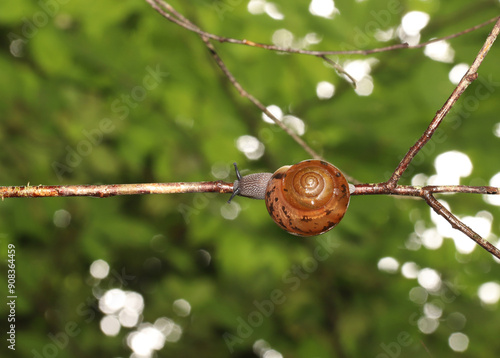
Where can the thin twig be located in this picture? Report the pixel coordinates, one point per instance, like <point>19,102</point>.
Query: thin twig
<point>426,193</point>
<point>459,225</point>
<point>390,187</point>
<point>339,69</point>
<point>256,102</point>
<point>104,191</point>
<point>107,190</point>
<point>182,21</point>
<point>391,184</point>
<point>466,80</point>
<point>409,190</point>
<point>178,19</point>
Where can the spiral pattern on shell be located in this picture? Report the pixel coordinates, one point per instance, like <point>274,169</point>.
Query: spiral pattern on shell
<point>308,198</point>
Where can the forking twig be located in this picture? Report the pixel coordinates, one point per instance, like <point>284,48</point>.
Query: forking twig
<point>390,187</point>
<point>182,21</point>
<point>466,80</point>
<point>174,16</point>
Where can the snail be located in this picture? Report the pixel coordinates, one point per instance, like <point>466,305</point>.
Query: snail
<point>305,199</point>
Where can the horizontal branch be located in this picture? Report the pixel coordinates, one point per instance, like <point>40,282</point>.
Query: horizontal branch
<point>409,190</point>
<point>168,11</point>
<point>391,187</point>
<point>104,191</point>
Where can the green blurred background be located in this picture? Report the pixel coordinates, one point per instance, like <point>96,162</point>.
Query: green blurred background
<point>79,105</point>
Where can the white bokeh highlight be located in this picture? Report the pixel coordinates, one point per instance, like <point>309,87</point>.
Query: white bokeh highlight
<point>272,11</point>
<point>388,264</point>
<point>427,325</point>
<point>457,72</point>
<point>325,90</point>
<point>146,340</point>
<point>431,239</point>
<point>450,167</point>
<point>418,295</point>
<point>429,279</point>
<point>275,111</point>
<point>440,51</point>
<point>489,293</point>
<point>493,199</point>
<point>110,325</point>
<point>99,269</point>
<point>296,124</point>
<point>231,211</point>
<point>62,218</point>
<point>496,130</point>
<point>250,146</point>
<point>282,38</point>
<point>432,311</point>
<point>256,7</point>
<point>181,307</point>
<point>323,8</point>
<point>112,301</point>
<point>414,21</point>
<point>410,270</point>
<point>458,341</point>
<point>360,70</point>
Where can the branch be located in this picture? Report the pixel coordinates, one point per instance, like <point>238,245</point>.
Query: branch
<point>466,80</point>
<point>409,190</point>
<point>459,225</point>
<point>390,187</point>
<point>169,12</point>
<point>256,102</point>
<point>426,194</point>
<point>182,21</point>
<point>107,190</point>
<point>174,16</point>
<point>104,191</point>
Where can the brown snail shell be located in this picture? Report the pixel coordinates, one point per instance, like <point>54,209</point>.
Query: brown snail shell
<point>308,198</point>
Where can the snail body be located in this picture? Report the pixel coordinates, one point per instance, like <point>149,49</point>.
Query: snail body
<point>305,199</point>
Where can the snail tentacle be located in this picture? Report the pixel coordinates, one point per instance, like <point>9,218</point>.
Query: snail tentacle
<point>236,189</point>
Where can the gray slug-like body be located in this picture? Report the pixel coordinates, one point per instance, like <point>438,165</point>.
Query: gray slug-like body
<point>251,186</point>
